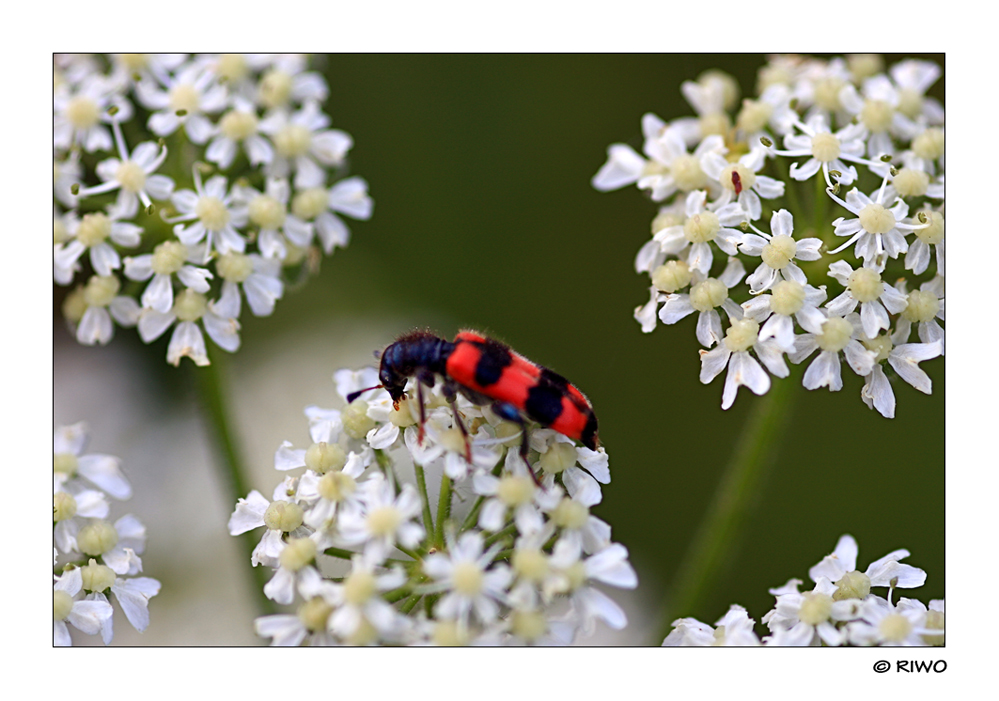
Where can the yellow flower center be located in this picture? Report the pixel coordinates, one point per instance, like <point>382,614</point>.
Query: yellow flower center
<point>96,538</point>
<point>787,297</point>
<point>876,115</point>
<point>780,251</point>
<point>701,227</point>
<point>234,267</point>
<point>82,112</point>
<point>237,125</point>
<point>384,521</point>
<point>283,516</point>
<point>922,306</point>
<point>293,140</point>
<point>359,587</point>
<point>836,334</point>
<point>169,257</point>
<point>708,294</point>
<point>266,212</point>
<point>825,147</point>
<point>190,305</point>
<point>815,608</point>
<point>212,212</point>
<point>741,335</point>
<point>467,578</point>
<point>865,284</point>
<point>514,491</point>
<point>100,290</point>
<point>184,98</point>
<point>275,88</point>
<point>93,229</point>
<point>687,173</point>
<point>911,182</point>
<point>673,275</point>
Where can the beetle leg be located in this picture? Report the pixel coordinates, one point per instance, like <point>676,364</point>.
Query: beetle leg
<point>508,411</point>
<point>464,432</point>
<point>451,395</point>
<point>423,416</point>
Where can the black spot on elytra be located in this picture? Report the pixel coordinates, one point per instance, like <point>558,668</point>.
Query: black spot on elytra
<point>554,378</point>
<point>544,403</point>
<point>495,356</point>
<point>589,437</point>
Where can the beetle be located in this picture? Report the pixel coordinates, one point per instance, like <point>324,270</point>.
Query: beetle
<point>487,372</point>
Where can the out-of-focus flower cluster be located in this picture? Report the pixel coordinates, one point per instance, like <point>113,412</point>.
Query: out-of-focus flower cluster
<point>369,554</point>
<point>184,183</point>
<point>839,610</point>
<point>850,266</point>
<point>93,556</point>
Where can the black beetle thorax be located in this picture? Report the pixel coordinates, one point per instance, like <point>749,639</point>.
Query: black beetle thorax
<point>410,356</point>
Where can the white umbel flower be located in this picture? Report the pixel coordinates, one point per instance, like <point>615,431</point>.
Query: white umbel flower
<point>778,251</point>
<point>133,175</point>
<point>691,240</point>
<point>879,231</point>
<point>865,287</point>
<point>214,214</point>
<point>826,150</point>
<point>102,471</point>
<point>239,127</point>
<point>218,318</point>
<point>838,335</point>
<point>740,181</point>
<point>186,98</point>
<point>319,206</point>
<point>705,296</point>
<point>904,359</point>
<point>382,520</point>
<point>303,144</point>
<point>167,259</point>
<point>93,232</point>
<point>734,629</point>
<point>808,618</point>
<point>87,616</point>
<point>81,112</point>
<point>472,586</point>
<point>887,625</point>
<point>887,571</point>
<point>743,370</point>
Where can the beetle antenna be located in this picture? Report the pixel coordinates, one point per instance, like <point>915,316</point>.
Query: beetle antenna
<point>354,395</point>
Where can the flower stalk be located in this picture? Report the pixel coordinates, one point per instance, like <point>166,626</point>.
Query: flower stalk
<point>739,489</point>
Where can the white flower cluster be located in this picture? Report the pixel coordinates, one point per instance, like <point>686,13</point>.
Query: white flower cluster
<point>843,123</point>
<point>239,179</point>
<point>93,555</point>
<point>372,557</point>
<point>839,610</point>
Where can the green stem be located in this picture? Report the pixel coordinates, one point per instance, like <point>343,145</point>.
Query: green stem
<point>504,554</point>
<point>473,514</point>
<point>213,396</point>
<point>385,465</point>
<point>410,602</point>
<point>791,186</point>
<point>503,533</point>
<point>412,553</point>
<point>820,206</point>
<point>397,594</point>
<point>421,482</point>
<point>738,490</point>
<point>349,555</point>
<point>443,509</point>
<point>340,553</point>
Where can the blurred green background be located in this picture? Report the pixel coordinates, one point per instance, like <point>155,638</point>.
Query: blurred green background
<point>484,217</point>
